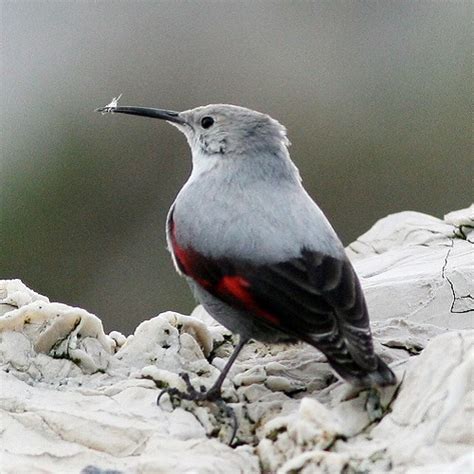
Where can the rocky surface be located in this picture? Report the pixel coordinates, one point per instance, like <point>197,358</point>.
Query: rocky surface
<point>74,399</point>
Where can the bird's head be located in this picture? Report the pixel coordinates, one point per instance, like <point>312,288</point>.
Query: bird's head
<point>229,130</point>
<point>220,129</point>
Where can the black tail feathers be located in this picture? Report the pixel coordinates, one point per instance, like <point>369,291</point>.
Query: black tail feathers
<point>382,376</point>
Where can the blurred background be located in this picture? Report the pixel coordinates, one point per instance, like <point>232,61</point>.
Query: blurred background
<point>375,96</point>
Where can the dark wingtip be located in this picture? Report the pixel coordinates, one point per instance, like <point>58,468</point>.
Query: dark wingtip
<point>383,376</point>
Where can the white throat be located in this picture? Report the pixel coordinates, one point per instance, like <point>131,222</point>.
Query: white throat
<point>203,164</point>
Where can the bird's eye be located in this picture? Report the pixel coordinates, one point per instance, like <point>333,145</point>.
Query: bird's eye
<point>207,122</point>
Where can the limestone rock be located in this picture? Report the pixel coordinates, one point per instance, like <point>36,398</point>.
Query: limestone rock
<point>74,399</point>
<point>418,267</point>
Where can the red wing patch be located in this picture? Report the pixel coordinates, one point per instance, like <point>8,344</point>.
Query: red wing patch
<point>239,288</point>
<point>217,277</point>
<point>189,261</point>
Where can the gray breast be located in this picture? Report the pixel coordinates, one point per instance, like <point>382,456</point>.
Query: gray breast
<point>260,222</point>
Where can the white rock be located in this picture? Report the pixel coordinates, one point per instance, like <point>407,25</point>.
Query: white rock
<point>118,338</point>
<point>57,330</point>
<point>74,399</point>
<point>463,465</point>
<point>315,462</point>
<point>17,294</point>
<point>416,267</point>
<point>461,218</point>
<point>428,418</point>
<point>254,375</point>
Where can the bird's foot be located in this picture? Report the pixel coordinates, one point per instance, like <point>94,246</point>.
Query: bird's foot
<point>373,405</point>
<point>213,395</point>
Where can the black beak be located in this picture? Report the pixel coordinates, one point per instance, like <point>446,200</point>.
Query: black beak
<point>168,115</point>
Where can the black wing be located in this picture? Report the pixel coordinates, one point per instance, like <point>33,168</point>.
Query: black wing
<point>318,298</point>
<point>315,297</point>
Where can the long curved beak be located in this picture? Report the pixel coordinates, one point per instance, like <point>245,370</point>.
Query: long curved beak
<point>168,115</point>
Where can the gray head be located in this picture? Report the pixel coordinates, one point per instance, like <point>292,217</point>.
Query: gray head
<point>220,129</point>
<point>231,130</point>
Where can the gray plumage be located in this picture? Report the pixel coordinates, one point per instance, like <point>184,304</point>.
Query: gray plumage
<point>246,199</point>
<point>257,251</point>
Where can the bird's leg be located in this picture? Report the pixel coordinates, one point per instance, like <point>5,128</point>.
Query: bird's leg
<point>214,393</point>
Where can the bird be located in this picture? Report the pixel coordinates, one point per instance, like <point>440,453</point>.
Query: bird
<point>257,251</point>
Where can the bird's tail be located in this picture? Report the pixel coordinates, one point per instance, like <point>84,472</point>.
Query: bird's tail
<point>382,376</point>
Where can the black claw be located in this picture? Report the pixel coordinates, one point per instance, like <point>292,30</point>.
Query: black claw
<point>229,411</point>
<point>213,395</point>
<point>170,391</point>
